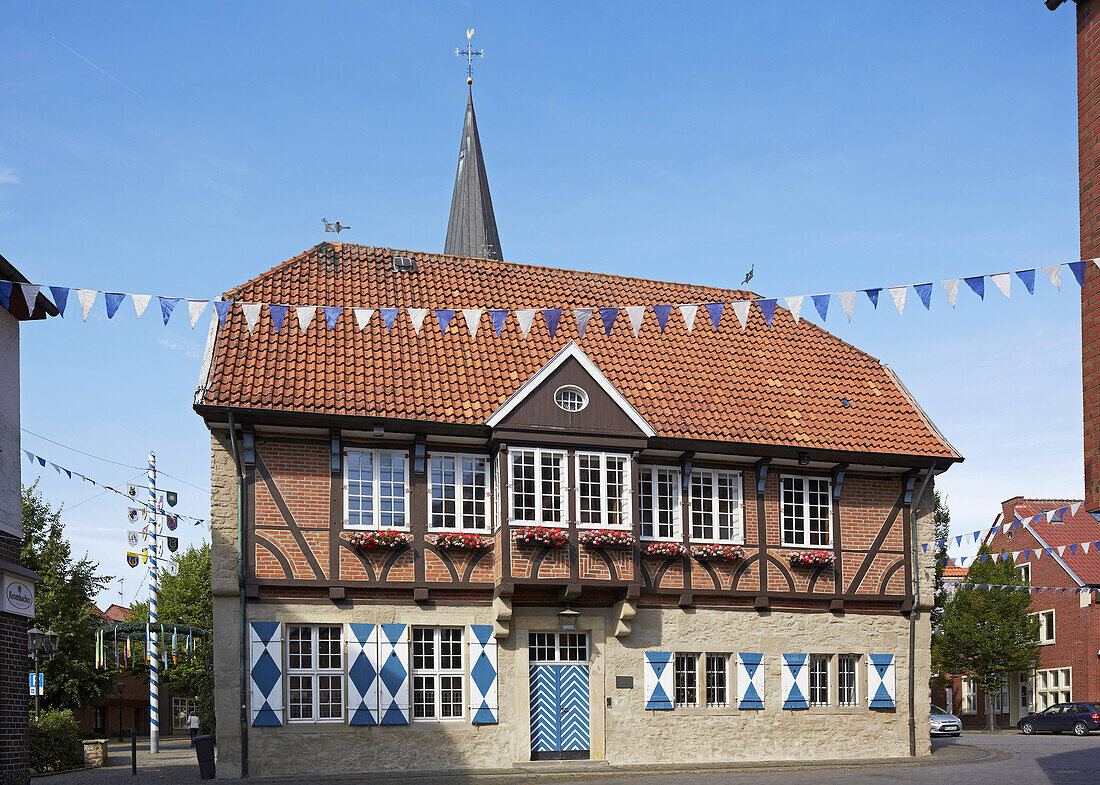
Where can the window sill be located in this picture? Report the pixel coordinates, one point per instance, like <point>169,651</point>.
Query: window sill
<point>807,547</point>
<point>533,524</point>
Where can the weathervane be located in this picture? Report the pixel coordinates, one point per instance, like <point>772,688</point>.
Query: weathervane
<point>333,227</point>
<point>470,53</point>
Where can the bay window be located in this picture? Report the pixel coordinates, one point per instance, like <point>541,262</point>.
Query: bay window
<point>376,486</point>
<point>603,495</point>
<point>536,477</point>
<point>804,504</point>
<point>659,502</point>
<point>716,514</point>
<point>457,491</point>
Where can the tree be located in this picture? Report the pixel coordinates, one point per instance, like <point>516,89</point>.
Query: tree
<point>941,517</point>
<point>987,633</point>
<point>63,602</point>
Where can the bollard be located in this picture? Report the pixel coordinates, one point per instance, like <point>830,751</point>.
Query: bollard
<point>133,751</point>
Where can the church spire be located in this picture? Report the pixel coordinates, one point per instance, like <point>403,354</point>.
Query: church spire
<point>472,228</point>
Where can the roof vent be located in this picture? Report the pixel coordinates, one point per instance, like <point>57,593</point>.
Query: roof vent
<point>404,264</point>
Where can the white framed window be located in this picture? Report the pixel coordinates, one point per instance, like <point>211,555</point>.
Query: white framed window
<point>846,682</point>
<point>603,490</point>
<point>686,675</point>
<point>969,696</point>
<point>536,478</point>
<point>1046,626</point>
<point>182,708</point>
<point>716,509</point>
<point>659,505</point>
<point>804,504</point>
<point>570,398</point>
<point>457,492</point>
<point>1054,685</point>
<point>376,489</point>
<point>315,673</point>
<point>1024,571</point>
<point>998,701</point>
<point>557,647</point>
<point>819,680</point>
<point>438,673</point>
<point>717,679</point>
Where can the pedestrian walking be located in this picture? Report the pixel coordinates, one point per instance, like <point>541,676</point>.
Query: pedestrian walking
<point>193,726</point>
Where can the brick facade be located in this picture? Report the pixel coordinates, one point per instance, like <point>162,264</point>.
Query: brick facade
<point>1088,126</point>
<point>14,700</point>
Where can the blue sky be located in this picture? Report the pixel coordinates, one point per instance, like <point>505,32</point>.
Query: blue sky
<point>180,149</point>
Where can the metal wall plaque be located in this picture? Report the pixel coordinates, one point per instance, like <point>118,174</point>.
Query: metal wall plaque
<point>624,682</point>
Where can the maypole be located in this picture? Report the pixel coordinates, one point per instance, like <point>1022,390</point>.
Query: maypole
<point>154,580</point>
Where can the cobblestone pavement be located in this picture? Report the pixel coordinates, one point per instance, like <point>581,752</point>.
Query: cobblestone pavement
<point>1005,758</point>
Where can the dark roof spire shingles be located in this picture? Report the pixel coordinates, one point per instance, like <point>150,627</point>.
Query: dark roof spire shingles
<point>472,227</point>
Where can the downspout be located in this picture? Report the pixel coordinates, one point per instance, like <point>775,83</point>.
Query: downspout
<point>914,612</point>
<point>240,581</point>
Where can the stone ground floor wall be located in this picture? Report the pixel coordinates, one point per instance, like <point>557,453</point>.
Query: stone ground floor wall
<point>622,731</point>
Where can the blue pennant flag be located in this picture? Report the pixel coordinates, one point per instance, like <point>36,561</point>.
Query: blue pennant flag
<point>166,306</point>
<point>1050,551</point>
<point>389,316</point>
<point>1078,270</point>
<point>498,318</point>
<point>5,293</point>
<point>767,307</point>
<point>41,461</point>
<point>552,317</point>
<point>332,314</point>
<point>958,540</point>
<point>1028,277</point>
<point>872,295</point>
<point>113,301</point>
<point>977,283</point>
<point>444,316</point>
<point>1073,549</point>
<point>924,547</point>
<point>1015,525</point>
<point>278,315</point>
<point>60,297</point>
<point>821,302</point>
<point>608,315</point>
<point>924,292</point>
<point>976,535</point>
<point>662,312</point>
<point>222,309</point>
<point>1026,554</point>
<point>715,311</point>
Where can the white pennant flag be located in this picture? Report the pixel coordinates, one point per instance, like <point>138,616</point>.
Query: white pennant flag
<point>86,297</point>
<point>898,293</point>
<point>794,305</point>
<point>1049,514</point>
<point>1061,550</point>
<point>741,311</point>
<point>525,317</point>
<point>1073,508</point>
<point>195,309</point>
<point>140,301</point>
<point>417,315</point>
<point>636,313</point>
<point>847,302</point>
<point>1003,281</point>
<point>472,317</point>
<point>1085,547</point>
<point>688,312</point>
<point>305,315</point>
<point>582,315</point>
<point>30,294</point>
<point>251,315</point>
<point>1054,273</point>
<point>362,316</point>
<point>1038,553</point>
<point>952,289</point>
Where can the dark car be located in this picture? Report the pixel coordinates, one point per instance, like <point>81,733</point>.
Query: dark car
<point>1077,717</point>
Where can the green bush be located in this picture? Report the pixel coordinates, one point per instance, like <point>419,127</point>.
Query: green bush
<point>55,742</point>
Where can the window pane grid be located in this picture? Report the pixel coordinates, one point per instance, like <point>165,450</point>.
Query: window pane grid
<point>804,503</point>
<point>686,677</point>
<point>819,680</point>
<point>315,673</point>
<point>458,487</point>
<point>716,509</point>
<point>437,673</point>
<point>376,483</point>
<point>846,680</point>
<point>659,505</point>
<point>536,486</point>
<point>602,490</point>
<point>557,647</point>
<point>717,674</point>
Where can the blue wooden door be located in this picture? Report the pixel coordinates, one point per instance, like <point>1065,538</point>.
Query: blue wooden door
<point>559,712</point>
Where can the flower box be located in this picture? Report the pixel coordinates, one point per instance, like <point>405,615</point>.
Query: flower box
<point>811,558</point>
<point>665,549</point>
<point>716,552</point>
<point>606,538</point>
<point>378,540</point>
<point>461,541</point>
<point>541,535</point>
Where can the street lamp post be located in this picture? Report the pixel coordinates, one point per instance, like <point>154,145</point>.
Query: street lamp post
<point>40,646</point>
<point>120,687</point>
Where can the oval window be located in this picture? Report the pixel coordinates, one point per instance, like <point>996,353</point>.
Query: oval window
<point>570,398</point>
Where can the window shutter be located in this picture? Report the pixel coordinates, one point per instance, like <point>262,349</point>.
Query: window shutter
<point>393,674</point>
<point>362,674</point>
<point>796,681</point>
<point>483,675</point>
<point>880,681</point>
<point>750,681</point>
<point>658,680</point>
<point>266,675</point>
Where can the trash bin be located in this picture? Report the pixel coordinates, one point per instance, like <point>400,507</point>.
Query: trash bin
<point>204,751</point>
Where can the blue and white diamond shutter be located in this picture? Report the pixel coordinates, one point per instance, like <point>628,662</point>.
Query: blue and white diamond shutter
<point>393,674</point>
<point>880,681</point>
<point>658,680</point>
<point>265,675</point>
<point>483,675</point>
<point>795,681</point>
<point>362,674</point>
<point>750,680</point>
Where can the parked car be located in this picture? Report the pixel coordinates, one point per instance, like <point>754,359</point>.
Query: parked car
<point>944,723</point>
<point>1077,717</point>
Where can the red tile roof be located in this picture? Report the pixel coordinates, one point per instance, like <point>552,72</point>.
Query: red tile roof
<point>114,613</point>
<point>782,385</point>
<point>1074,529</point>
<point>952,572</point>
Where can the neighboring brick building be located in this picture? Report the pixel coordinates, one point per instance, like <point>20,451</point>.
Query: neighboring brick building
<point>1069,652</point>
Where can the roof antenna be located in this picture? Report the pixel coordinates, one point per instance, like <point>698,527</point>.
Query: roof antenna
<point>749,274</point>
<point>333,227</point>
<point>470,53</point>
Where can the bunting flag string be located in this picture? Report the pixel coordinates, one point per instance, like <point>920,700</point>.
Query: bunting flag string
<point>33,459</point>
<point>636,314</point>
<point>1055,515</point>
<point>1032,589</point>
